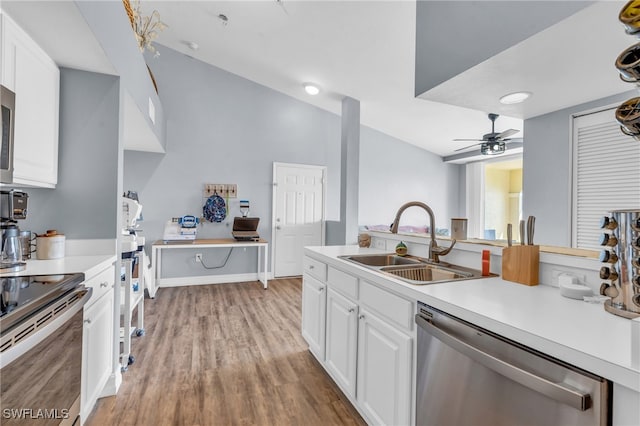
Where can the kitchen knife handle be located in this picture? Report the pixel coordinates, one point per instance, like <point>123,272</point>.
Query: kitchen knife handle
<point>531,223</point>
<point>522,232</point>
<point>509,234</point>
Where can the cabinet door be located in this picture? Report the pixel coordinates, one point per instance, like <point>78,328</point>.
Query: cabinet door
<point>314,301</point>
<point>342,340</point>
<point>97,353</point>
<point>35,79</point>
<point>384,371</point>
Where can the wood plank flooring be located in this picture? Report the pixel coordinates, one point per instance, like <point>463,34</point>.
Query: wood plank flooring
<point>225,354</point>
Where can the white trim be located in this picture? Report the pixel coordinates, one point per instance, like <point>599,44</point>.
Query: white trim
<point>208,279</point>
<point>323,223</point>
<point>475,198</point>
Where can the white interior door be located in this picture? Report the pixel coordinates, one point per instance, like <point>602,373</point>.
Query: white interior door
<point>298,214</point>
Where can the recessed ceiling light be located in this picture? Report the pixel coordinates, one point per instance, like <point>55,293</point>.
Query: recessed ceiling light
<point>515,98</point>
<point>311,88</point>
<point>192,45</point>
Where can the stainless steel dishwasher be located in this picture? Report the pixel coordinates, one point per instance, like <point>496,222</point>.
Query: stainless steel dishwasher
<point>469,376</point>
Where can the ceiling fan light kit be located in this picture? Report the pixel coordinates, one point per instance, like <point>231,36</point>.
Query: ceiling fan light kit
<point>493,148</point>
<point>491,143</point>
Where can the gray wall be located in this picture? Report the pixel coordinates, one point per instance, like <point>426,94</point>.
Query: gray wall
<point>109,22</point>
<point>84,204</point>
<point>222,128</point>
<point>474,31</point>
<point>393,172</point>
<point>547,170</point>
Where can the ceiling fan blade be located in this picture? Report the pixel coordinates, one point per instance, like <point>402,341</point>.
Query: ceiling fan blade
<point>467,147</point>
<point>468,140</point>
<point>513,140</point>
<point>506,133</point>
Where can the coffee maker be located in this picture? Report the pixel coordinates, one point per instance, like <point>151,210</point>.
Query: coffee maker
<point>13,207</point>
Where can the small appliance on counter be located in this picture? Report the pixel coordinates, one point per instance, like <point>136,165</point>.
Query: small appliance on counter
<point>50,245</point>
<point>621,258</point>
<point>184,228</point>
<point>13,207</point>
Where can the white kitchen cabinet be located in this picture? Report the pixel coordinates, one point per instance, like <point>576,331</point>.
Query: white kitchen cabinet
<point>367,337</point>
<point>97,351</point>
<point>384,371</point>
<point>29,72</point>
<point>314,301</point>
<point>342,341</point>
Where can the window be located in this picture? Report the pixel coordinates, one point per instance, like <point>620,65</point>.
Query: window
<point>606,175</point>
<point>494,197</point>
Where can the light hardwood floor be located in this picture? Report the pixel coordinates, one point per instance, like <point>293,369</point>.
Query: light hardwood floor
<point>225,354</point>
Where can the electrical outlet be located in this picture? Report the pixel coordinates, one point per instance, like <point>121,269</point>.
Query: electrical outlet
<point>198,257</point>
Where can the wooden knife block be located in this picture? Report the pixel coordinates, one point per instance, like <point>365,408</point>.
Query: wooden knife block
<point>521,264</point>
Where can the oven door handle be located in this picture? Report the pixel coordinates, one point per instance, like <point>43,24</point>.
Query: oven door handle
<point>557,391</point>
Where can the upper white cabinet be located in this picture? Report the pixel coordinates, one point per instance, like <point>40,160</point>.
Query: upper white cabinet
<point>29,72</point>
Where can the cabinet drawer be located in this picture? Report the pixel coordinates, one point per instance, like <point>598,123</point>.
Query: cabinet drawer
<point>343,282</point>
<point>388,305</point>
<point>101,284</point>
<point>315,268</point>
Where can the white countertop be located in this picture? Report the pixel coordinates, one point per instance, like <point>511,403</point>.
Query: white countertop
<point>88,265</point>
<point>579,333</point>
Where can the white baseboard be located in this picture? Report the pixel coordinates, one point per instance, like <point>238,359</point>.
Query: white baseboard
<point>208,279</point>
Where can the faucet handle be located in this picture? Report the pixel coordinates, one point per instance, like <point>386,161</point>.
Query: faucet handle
<point>442,251</point>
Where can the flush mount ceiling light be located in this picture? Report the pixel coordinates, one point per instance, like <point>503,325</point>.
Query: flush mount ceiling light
<point>515,98</point>
<point>311,88</point>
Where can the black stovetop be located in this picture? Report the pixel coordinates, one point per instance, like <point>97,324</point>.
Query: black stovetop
<point>23,296</point>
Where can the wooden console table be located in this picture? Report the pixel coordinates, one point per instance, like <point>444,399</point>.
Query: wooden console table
<point>159,246</point>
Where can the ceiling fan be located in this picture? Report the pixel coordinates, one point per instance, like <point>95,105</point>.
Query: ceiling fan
<point>492,143</point>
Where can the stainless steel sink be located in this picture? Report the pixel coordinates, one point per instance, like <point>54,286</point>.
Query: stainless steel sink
<point>427,274</point>
<point>414,270</point>
<point>381,259</point>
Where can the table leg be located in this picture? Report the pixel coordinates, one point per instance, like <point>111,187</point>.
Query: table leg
<point>266,251</point>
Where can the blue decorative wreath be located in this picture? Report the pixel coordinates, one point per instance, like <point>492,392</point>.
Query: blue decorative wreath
<point>215,209</point>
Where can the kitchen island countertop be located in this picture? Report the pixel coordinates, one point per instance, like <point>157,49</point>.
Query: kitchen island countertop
<point>579,333</point>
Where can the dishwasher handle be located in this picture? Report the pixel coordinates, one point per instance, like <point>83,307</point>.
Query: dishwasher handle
<point>560,392</point>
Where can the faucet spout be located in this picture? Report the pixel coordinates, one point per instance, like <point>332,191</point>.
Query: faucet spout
<point>434,250</point>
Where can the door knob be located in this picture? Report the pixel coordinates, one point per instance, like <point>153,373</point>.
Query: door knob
<point>351,310</point>
<point>278,227</point>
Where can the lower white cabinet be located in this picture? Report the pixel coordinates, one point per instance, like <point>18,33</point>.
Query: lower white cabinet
<point>342,341</point>
<point>314,301</point>
<point>97,340</point>
<point>384,371</point>
<point>362,336</point>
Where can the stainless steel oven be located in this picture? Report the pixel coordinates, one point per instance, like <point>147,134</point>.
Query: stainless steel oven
<point>7,119</point>
<point>41,349</point>
<point>469,376</point>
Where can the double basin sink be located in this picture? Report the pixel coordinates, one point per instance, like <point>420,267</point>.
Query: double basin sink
<point>413,270</point>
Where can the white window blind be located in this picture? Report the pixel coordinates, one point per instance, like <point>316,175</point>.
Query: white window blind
<point>606,174</point>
